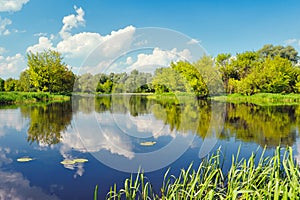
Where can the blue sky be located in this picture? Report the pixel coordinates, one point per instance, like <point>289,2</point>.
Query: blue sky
<point>75,27</point>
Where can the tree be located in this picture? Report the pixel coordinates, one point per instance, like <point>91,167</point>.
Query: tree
<point>2,85</point>
<point>48,73</point>
<point>169,80</point>
<point>24,82</point>
<point>211,75</point>
<point>10,85</point>
<point>287,52</point>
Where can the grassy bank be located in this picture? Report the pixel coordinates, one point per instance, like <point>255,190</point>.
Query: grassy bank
<point>29,97</point>
<point>261,99</point>
<point>275,177</point>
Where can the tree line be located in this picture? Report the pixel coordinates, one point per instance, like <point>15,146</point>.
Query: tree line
<point>271,69</point>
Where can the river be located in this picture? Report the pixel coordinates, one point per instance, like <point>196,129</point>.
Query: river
<point>122,134</point>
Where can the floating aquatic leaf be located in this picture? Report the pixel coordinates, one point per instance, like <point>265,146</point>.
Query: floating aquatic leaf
<point>80,160</point>
<point>68,162</point>
<point>24,159</point>
<point>151,143</point>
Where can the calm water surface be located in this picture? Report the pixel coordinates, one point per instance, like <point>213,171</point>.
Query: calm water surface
<point>109,131</point>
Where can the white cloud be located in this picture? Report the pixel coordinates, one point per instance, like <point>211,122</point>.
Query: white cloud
<point>10,66</point>
<point>129,61</point>
<point>159,58</point>
<point>12,5</point>
<point>291,41</point>
<point>79,44</point>
<point>11,118</point>
<point>13,185</point>
<point>78,47</point>
<point>3,24</point>
<point>44,44</point>
<point>2,50</point>
<point>193,41</point>
<point>72,21</point>
<point>87,138</point>
<point>40,34</point>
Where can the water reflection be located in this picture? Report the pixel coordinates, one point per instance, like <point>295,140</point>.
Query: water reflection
<point>112,128</point>
<point>47,122</point>
<point>269,126</point>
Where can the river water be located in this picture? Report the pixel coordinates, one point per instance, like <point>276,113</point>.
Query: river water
<point>122,134</point>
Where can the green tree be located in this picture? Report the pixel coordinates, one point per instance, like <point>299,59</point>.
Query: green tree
<point>2,82</point>
<point>168,80</point>
<point>287,52</point>
<point>10,85</point>
<point>24,82</point>
<point>192,76</point>
<point>211,75</point>
<point>48,73</point>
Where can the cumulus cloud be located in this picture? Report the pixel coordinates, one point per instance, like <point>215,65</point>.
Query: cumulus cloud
<point>13,185</point>
<point>12,5</point>
<point>159,58</point>
<point>90,139</point>
<point>44,44</point>
<point>129,61</point>
<point>11,118</point>
<point>11,65</point>
<point>3,24</point>
<point>79,44</point>
<point>72,21</point>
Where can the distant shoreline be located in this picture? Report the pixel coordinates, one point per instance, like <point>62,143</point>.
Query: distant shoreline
<point>8,98</point>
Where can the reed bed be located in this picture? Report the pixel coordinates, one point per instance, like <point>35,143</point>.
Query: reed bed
<point>263,99</point>
<point>273,177</point>
<point>29,97</point>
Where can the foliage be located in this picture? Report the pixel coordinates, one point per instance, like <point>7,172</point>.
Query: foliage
<point>10,85</point>
<point>271,69</point>
<point>48,73</point>
<point>275,177</point>
<point>24,82</point>
<point>193,77</point>
<point>28,97</point>
<point>2,85</point>
<point>287,52</point>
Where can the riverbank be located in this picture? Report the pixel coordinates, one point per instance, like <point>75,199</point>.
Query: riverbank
<point>29,97</point>
<point>263,99</point>
<point>275,177</point>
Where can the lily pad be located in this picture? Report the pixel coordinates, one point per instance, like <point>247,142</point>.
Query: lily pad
<point>24,159</point>
<point>68,162</point>
<point>150,143</point>
<point>80,160</point>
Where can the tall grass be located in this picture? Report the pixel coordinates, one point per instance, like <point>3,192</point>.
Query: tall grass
<point>275,177</point>
<point>263,99</point>
<point>29,97</point>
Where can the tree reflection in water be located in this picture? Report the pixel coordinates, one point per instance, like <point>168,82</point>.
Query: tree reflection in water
<point>265,125</point>
<point>47,122</point>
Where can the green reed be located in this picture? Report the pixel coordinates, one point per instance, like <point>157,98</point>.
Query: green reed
<point>29,97</point>
<point>274,177</point>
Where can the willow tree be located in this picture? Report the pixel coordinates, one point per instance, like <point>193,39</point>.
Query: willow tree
<point>48,72</point>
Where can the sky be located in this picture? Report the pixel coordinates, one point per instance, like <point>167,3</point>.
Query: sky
<point>76,28</point>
